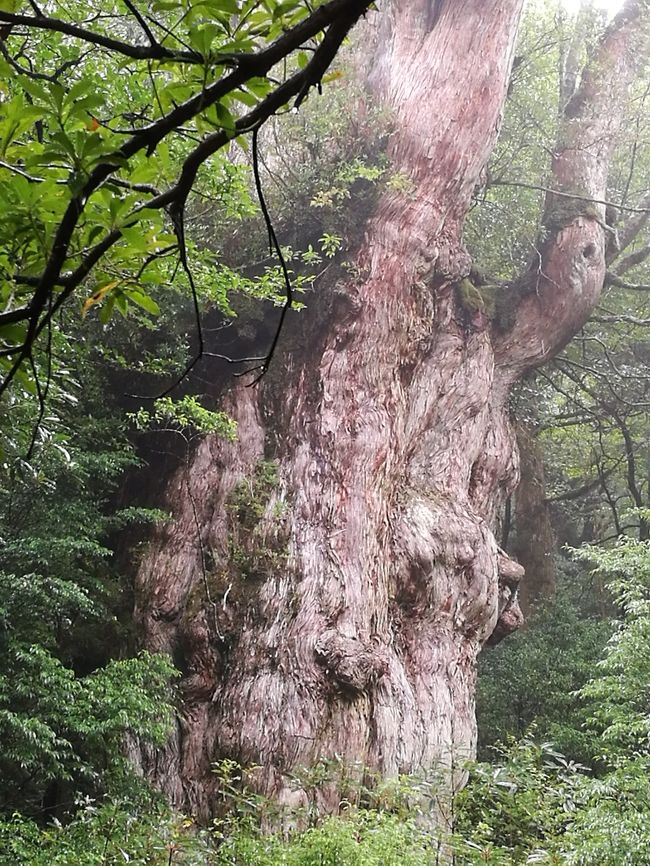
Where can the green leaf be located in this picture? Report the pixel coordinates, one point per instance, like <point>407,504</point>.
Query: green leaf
<point>146,302</point>
<point>225,118</point>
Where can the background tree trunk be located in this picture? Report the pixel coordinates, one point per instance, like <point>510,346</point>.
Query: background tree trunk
<point>329,578</point>
<point>534,544</point>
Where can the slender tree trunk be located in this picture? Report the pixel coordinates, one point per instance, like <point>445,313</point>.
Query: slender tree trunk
<point>330,577</point>
<point>534,544</point>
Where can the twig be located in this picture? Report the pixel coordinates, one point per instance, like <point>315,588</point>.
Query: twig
<point>612,279</point>
<point>136,52</point>
<point>141,21</point>
<point>273,240</point>
<point>571,195</point>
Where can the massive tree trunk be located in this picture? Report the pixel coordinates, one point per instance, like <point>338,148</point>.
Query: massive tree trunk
<point>329,578</point>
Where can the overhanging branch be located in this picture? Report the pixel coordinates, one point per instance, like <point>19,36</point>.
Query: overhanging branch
<point>335,18</point>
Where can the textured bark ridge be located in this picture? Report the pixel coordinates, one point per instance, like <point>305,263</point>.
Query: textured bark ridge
<point>330,577</point>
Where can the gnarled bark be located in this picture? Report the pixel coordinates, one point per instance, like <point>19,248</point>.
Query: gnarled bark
<point>351,583</point>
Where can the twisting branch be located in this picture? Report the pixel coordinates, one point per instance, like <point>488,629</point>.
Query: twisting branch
<point>294,86</point>
<point>173,200</point>
<point>41,408</point>
<point>571,399</point>
<point>633,259</point>
<point>141,21</point>
<point>621,319</point>
<point>179,229</point>
<point>612,279</point>
<point>37,76</point>
<point>604,487</point>
<point>551,310</point>
<point>636,376</point>
<point>631,228</point>
<point>155,51</point>
<point>584,489</point>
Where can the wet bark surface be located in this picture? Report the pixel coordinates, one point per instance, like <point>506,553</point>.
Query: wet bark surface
<point>329,578</point>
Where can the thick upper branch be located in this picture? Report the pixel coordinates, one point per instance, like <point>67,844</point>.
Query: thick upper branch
<point>153,51</point>
<point>562,286</point>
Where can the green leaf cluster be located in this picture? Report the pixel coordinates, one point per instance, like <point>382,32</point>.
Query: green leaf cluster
<point>186,416</point>
<point>535,676</point>
<point>70,690</point>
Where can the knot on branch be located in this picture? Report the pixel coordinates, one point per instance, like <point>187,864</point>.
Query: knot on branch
<point>510,617</point>
<point>347,660</point>
<point>510,571</point>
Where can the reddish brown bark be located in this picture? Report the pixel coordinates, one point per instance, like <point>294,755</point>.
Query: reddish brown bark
<point>341,607</point>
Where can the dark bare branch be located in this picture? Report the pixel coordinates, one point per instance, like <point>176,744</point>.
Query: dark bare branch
<point>136,52</point>
<point>641,209</point>
<point>630,229</point>
<point>633,259</point>
<point>612,279</point>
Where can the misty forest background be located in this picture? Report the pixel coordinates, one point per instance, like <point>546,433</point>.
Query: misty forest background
<point>563,768</point>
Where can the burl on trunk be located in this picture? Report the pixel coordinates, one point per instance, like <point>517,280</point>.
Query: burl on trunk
<point>329,578</point>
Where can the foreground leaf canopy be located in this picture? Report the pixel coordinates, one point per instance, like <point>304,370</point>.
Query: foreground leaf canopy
<point>111,118</point>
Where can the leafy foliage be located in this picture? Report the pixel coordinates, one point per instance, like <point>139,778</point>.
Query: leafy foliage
<point>186,416</point>
<point>530,805</point>
<point>67,699</point>
<point>535,676</point>
<point>85,202</point>
<point>618,697</point>
<point>110,834</point>
<point>519,804</point>
<point>604,819</point>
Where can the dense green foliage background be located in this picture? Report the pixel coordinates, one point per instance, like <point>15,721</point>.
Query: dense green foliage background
<point>528,804</point>
<point>69,691</point>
